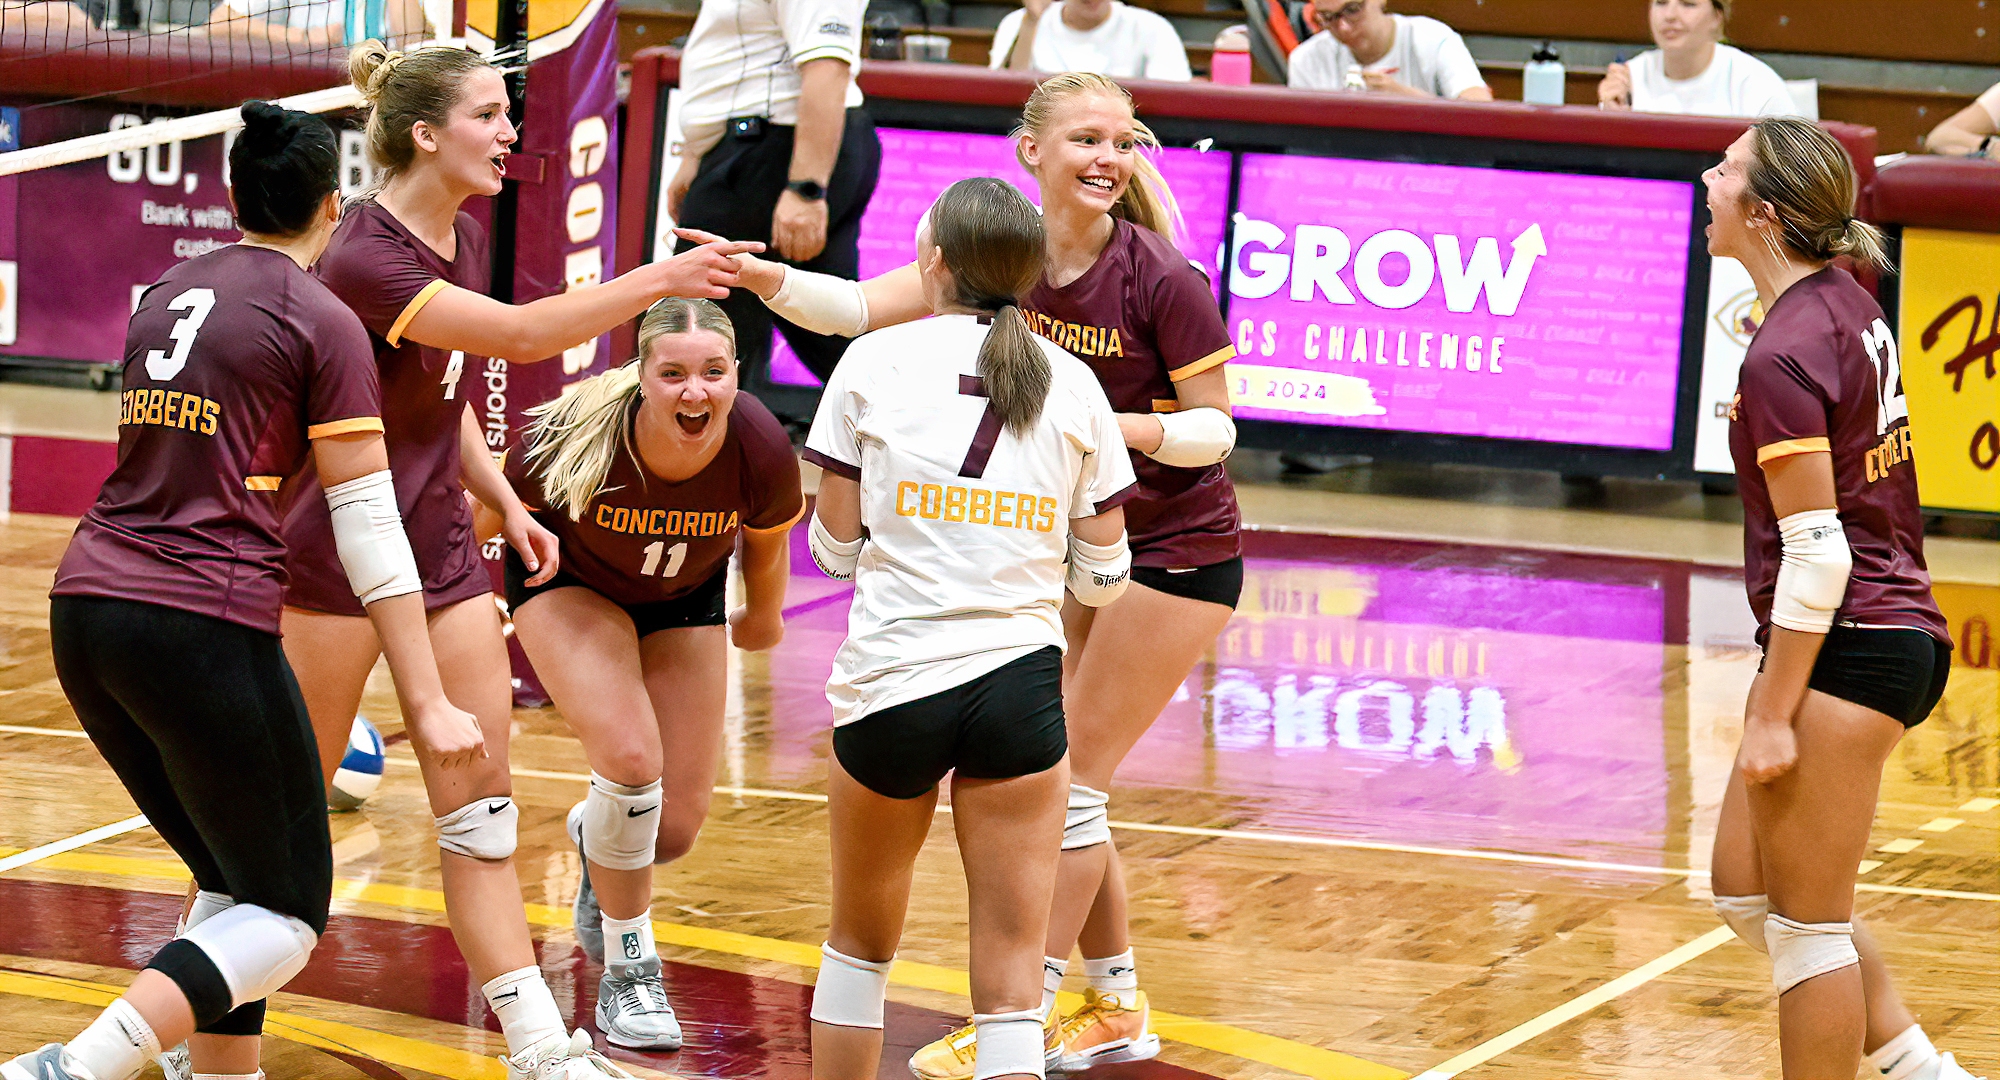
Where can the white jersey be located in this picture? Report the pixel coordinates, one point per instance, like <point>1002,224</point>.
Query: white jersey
<point>967,524</point>
<point>1734,84</point>
<point>742,59</point>
<point>1131,43</point>
<point>1427,54</point>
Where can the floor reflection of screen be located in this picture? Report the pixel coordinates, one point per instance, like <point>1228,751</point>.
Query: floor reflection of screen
<point>918,165</point>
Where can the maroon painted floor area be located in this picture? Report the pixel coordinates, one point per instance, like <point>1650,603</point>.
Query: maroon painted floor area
<point>736,1025</point>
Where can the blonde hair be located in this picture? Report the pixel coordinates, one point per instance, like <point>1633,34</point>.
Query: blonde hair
<point>1807,177</point>
<point>402,88</point>
<point>992,242</point>
<point>573,439</point>
<point>1148,202</point>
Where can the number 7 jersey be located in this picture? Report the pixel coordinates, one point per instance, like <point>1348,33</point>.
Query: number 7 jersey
<point>1823,374</point>
<point>967,523</point>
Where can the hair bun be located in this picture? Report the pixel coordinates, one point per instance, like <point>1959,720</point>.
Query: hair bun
<point>267,128</point>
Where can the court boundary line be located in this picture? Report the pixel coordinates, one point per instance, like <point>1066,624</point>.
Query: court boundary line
<point>1569,1010</point>
<point>71,843</point>
<point>1252,835</point>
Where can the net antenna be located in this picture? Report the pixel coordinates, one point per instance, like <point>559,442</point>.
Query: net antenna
<point>160,60</point>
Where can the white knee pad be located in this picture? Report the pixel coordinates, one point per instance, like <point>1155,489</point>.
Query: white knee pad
<point>1008,1043</point>
<point>1745,915</point>
<point>1088,821</point>
<point>485,829</point>
<point>620,824</point>
<point>256,949</point>
<point>206,906</point>
<point>1800,951</point>
<point>849,992</point>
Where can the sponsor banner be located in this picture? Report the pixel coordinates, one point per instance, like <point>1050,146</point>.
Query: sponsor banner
<point>1461,301</point>
<point>1950,334</point>
<point>1733,317</point>
<point>918,165</point>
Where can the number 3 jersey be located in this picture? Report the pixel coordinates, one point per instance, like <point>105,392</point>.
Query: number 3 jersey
<point>1822,375</point>
<point>642,539</point>
<point>967,524</point>
<point>386,275</point>
<point>228,352</point>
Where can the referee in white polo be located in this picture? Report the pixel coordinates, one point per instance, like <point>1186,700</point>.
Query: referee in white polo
<point>777,148</point>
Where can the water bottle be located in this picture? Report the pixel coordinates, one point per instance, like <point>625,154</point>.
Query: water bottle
<point>1230,63</point>
<point>1542,80</point>
<point>1354,82</point>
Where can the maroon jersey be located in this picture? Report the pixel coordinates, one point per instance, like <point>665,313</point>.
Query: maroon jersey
<point>1144,318</point>
<point>1822,375</point>
<point>228,351</point>
<point>642,540</point>
<point>386,275</point>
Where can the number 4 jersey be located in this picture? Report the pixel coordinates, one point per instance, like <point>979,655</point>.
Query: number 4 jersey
<point>386,275</point>
<point>1822,375</point>
<point>967,523</point>
<point>227,351</point>
<point>642,539</point>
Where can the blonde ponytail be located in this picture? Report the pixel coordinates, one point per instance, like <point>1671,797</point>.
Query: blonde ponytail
<point>573,439</point>
<point>1147,202</point>
<point>992,243</point>
<point>1015,371</point>
<point>1808,178</point>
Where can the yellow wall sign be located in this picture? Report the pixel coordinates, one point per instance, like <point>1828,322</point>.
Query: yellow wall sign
<point>1950,315</point>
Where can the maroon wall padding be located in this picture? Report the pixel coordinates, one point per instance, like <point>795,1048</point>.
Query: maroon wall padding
<point>969,85</point>
<point>1938,193</point>
<point>59,476</point>
<point>159,69</point>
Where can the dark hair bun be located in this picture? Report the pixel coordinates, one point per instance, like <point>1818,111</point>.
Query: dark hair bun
<point>281,167</point>
<point>267,128</point>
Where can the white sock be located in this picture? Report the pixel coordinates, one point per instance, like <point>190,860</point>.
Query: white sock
<point>1115,978</point>
<point>629,941</point>
<point>1908,1056</point>
<point>526,1009</point>
<point>1052,977</point>
<point>116,1045</point>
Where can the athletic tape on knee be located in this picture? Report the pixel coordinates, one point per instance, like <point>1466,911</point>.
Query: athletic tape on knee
<point>1088,821</point>
<point>486,829</point>
<point>620,824</point>
<point>1008,1044</point>
<point>1800,951</point>
<point>1745,915</point>
<point>849,992</point>
<point>256,949</point>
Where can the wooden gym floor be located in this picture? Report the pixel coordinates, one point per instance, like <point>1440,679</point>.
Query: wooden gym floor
<point>1440,803</point>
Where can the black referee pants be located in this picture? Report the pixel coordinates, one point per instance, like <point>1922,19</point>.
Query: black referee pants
<point>735,193</point>
<point>203,722</point>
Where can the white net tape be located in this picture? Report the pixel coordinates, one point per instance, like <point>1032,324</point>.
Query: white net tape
<point>90,147</point>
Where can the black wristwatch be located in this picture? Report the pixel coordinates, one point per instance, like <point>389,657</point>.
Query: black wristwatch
<point>811,190</point>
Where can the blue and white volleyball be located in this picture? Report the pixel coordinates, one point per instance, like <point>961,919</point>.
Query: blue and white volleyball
<point>360,771</point>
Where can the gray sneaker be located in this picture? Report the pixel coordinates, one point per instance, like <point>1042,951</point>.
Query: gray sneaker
<point>584,914</point>
<point>48,1064</point>
<point>632,1007</point>
<point>176,1064</point>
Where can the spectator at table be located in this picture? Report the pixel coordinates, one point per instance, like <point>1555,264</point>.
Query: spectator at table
<point>1973,131</point>
<point>1103,37</point>
<point>1693,72</point>
<point>318,24</point>
<point>1411,55</point>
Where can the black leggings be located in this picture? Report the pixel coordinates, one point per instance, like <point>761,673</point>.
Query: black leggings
<point>203,723</point>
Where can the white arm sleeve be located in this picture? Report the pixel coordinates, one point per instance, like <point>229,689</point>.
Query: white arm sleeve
<point>1195,437</point>
<point>1098,574</point>
<point>368,534</point>
<point>1812,579</point>
<point>821,303</point>
<point>836,559</point>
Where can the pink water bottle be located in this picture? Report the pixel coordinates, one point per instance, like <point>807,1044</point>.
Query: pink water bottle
<point>1230,63</point>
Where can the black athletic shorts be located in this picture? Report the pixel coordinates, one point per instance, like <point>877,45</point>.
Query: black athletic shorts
<point>1217,583</point>
<point>1899,673</point>
<point>704,605</point>
<point>1006,723</point>
<point>203,723</point>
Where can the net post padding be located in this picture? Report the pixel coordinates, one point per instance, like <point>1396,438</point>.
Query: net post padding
<point>90,147</point>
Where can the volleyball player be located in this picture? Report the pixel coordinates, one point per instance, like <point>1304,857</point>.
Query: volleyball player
<point>164,617</point>
<point>414,268</point>
<point>1855,650</point>
<point>1116,291</point>
<point>651,474</point>
<point>965,461</point>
